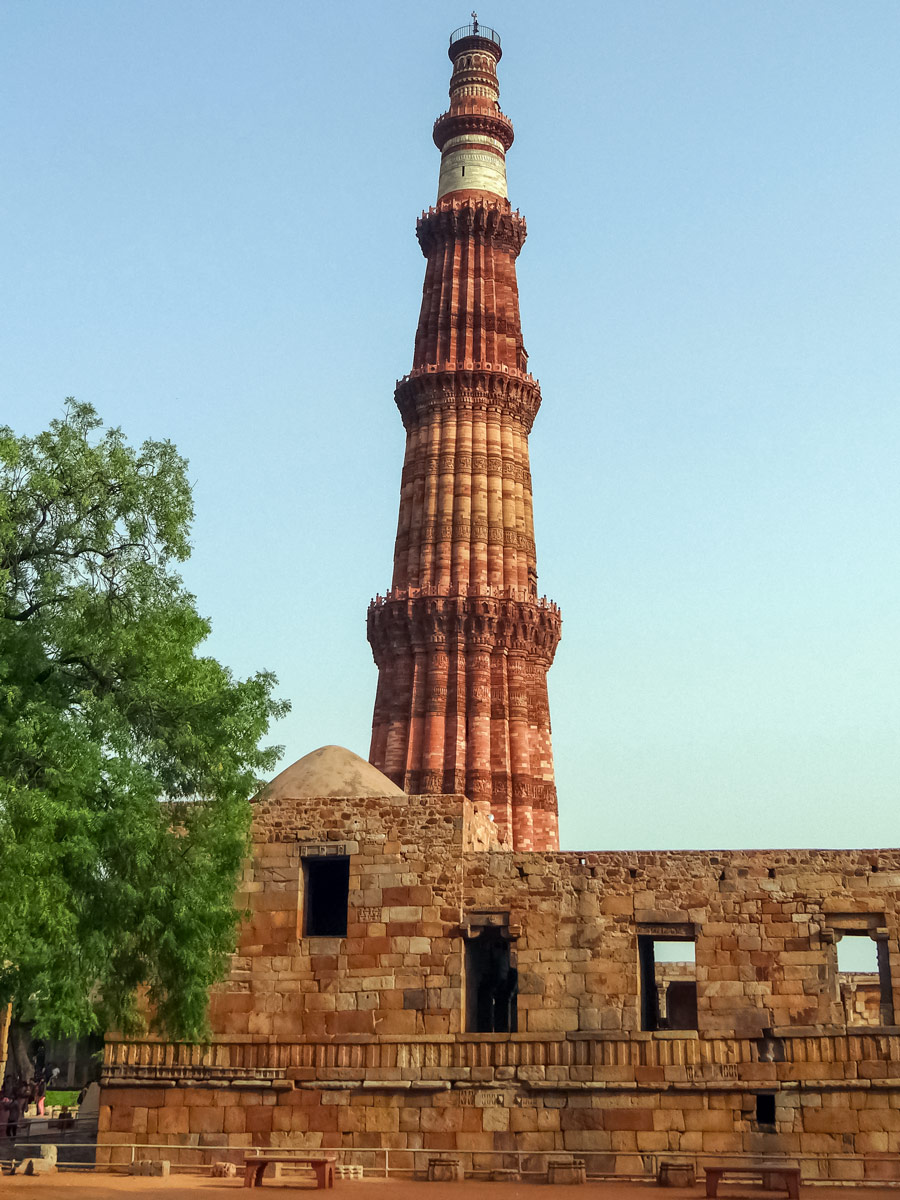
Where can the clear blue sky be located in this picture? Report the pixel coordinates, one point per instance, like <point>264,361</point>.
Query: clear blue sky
<point>208,233</point>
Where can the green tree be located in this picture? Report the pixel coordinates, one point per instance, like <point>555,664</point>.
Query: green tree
<point>126,758</point>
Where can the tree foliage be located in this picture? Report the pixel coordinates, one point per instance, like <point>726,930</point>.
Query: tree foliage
<point>126,757</point>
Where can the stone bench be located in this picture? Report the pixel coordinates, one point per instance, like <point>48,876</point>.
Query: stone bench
<point>445,1170</point>
<point>676,1174</point>
<point>566,1170</point>
<point>768,1172</point>
<point>322,1165</point>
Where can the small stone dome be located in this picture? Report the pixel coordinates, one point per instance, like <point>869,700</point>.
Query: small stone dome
<point>329,771</point>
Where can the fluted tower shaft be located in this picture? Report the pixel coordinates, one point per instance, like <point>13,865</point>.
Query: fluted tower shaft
<point>461,640</point>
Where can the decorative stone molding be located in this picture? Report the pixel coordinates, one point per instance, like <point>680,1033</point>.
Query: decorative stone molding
<point>448,621</point>
<point>468,387</point>
<point>467,118</point>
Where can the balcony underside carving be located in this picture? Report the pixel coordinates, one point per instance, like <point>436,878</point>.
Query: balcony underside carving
<point>468,387</point>
<point>397,625</point>
<point>455,219</point>
<point>470,117</point>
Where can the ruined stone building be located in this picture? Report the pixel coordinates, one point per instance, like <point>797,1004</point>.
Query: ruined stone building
<point>423,971</point>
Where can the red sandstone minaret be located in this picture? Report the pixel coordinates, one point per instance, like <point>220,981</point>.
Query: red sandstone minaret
<point>462,642</point>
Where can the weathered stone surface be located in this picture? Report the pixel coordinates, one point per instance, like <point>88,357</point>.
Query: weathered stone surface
<point>571,1079</point>
<point>37,1166</point>
<point>672,1174</point>
<point>445,1170</point>
<point>566,1171</point>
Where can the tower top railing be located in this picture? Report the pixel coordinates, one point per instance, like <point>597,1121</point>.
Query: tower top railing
<point>475,30</point>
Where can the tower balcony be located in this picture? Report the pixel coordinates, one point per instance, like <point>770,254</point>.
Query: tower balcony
<point>475,37</point>
<point>473,118</point>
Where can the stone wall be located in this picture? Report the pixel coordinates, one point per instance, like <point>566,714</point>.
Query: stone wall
<point>861,997</point>
<point>765,925</point>
<point>405,909</point>
<point>359,1042</point>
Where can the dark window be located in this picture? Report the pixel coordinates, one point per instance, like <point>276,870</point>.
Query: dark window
<point>765,1108</point>
<point>491,985</point>
<point>668,983</point>
<point>326,888</point>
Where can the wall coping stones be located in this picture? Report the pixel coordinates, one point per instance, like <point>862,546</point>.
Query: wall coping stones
<point>634,1035</point>
<point>381,1085</point>
<point>812,1031</point>
<point>138,1082</point>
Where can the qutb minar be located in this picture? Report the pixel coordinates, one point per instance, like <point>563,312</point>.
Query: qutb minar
<point>462,641</point>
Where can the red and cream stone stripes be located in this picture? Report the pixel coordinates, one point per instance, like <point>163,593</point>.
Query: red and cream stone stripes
<point>474,135</point>
<point>462,641</point>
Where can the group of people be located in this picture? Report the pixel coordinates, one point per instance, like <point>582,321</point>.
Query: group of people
<point>17,1094</point>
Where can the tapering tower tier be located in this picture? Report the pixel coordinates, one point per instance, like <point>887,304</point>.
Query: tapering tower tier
<point>462,642</point>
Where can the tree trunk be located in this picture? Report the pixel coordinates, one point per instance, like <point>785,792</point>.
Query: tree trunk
<point>19,1064</point>
<point>5,1019</point>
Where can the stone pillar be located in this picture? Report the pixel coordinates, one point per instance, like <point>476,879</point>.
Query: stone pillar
<point>435,721</point>
<point>478,721</point>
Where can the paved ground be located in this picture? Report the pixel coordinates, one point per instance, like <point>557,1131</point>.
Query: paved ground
<point>100,1186</point>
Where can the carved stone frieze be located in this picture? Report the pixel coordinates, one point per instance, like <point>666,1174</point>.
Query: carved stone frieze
<point>485,218</point>
<point>433,532</point>
<point>452,464</point>
<point>469,387</point>
<point>452,622</point>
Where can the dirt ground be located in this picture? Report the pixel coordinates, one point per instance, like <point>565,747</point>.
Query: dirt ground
<point>101,1186</point>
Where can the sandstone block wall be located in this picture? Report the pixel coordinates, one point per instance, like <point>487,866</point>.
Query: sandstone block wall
<point>765,925</point>
<point>360,1042</point>
<point>407,857</point>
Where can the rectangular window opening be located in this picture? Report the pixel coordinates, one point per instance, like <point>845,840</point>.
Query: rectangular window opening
<point>492,984</point>
<point>765,1108</point>
<point>326,892</point>
<point>864,979</point>
<point>668,982</point>
<point>857,954</point>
